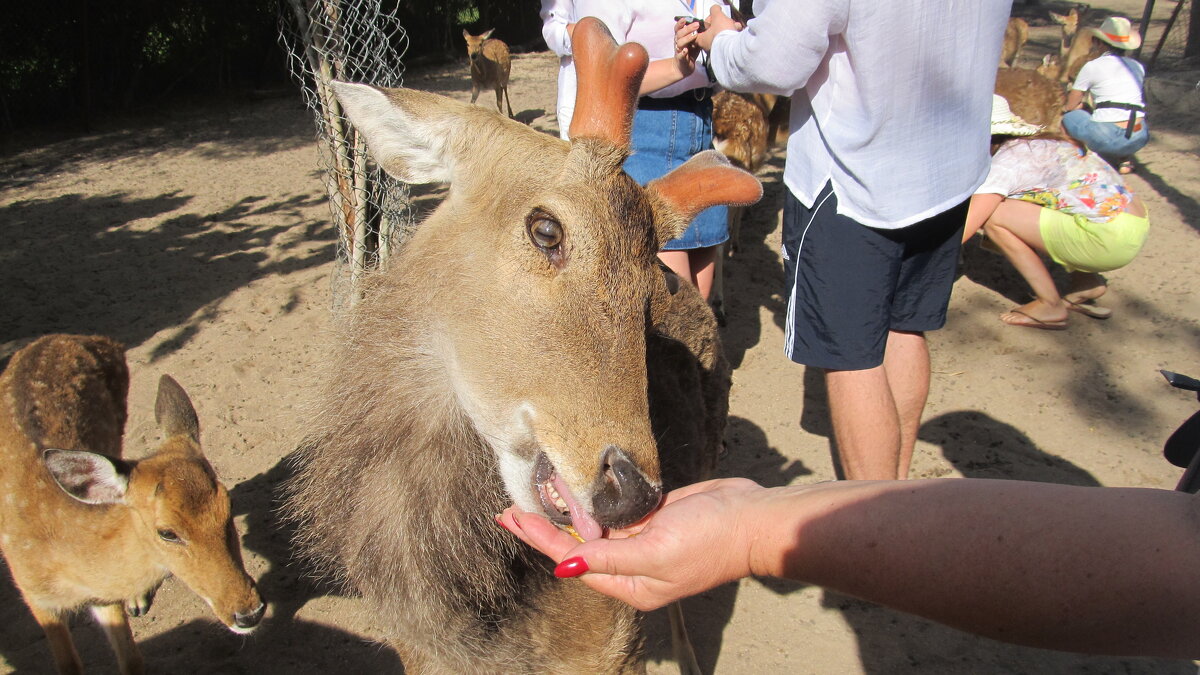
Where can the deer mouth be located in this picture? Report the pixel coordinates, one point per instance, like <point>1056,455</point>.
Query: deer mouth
<point>560,504</point>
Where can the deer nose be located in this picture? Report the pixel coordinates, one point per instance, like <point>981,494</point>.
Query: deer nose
<point>250,620</point>
<point>623,496</point>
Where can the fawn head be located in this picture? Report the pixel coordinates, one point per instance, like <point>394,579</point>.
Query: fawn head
<point>475,43</point>
<point>180,511</point>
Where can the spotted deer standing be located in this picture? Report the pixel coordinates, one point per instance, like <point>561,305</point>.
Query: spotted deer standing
<point>525,346</point>
<point>80,526</point>
<point>490,67</point>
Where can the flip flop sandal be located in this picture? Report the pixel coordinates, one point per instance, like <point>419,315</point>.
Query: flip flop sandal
<point>1036,322</point>
<point>1087,308</point>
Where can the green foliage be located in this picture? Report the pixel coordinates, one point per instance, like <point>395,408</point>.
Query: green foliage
<point>78,59</point>
<point>467,16</point>
<point>81,58</point>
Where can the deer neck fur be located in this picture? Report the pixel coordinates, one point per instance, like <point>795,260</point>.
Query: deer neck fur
<point>458,586</point>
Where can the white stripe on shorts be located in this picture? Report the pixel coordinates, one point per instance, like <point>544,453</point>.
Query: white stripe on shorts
<point>788,346</point>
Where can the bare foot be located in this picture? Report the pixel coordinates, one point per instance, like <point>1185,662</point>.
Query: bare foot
<point>1037,314</point>
<point>1085,286</point>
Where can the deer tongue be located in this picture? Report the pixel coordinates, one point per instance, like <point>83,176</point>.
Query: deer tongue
<point>585,525</point>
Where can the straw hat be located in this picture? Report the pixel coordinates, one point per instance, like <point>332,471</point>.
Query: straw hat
<point>1118,32</point>
<point>1005,123</point>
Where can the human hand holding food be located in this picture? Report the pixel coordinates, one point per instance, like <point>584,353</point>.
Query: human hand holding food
<point>699,539</point>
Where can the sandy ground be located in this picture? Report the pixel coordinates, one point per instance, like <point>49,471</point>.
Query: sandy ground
<point>199,237</point>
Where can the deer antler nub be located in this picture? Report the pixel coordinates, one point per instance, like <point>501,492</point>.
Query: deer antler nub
<point>609,79</point>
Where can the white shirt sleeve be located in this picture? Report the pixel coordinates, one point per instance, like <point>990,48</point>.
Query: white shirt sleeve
<point>1086,79</point>
<point>616,15</point>
<point>750,60</point>
<point>556,14</point>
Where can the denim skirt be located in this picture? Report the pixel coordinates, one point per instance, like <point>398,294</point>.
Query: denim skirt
<point>666,133</point>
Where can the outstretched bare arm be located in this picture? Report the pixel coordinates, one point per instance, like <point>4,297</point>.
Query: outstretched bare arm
<point>1098,570</point>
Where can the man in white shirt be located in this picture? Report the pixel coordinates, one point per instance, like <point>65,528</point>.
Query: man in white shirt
<point>558,22</point>
<point>891,103</point>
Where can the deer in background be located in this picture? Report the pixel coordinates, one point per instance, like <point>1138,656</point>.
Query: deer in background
<point>489,67</point>
<point>81,526</point>
<point>1074,48</point>
<point>525,346</point>
<point>745,127</point>
<point>1016,34</point>
<point>1034,97</point>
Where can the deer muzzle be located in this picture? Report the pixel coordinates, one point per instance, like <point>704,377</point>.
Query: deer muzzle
<point>620,495</point>
<point>250,620</point>
<point>248,612</point>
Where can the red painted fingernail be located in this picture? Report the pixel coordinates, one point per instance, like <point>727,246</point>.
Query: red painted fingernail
<point>501,522</point>
<point>571,567</point>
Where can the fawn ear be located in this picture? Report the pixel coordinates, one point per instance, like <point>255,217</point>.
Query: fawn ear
<point>174,412</point>
<point>89,477</point>
<point>707,179</point>
<point>411,147</point>
<point>487,33</point>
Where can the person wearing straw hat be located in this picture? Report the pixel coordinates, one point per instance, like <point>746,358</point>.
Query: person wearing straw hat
<point>1046,194</point>
<point>1116,127</point>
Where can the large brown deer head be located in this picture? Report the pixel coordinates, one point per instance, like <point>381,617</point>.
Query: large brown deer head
<point>535,284</point>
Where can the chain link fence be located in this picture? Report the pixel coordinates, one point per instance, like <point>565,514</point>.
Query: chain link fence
<point>356,41</point>
<point>1177,45</point>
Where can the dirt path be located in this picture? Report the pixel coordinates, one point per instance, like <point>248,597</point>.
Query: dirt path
<point>200,239</point>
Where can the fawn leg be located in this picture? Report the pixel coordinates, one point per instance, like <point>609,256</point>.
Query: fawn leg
<point>58,635</point>
<point>115,624</point>
<point>681,644</point>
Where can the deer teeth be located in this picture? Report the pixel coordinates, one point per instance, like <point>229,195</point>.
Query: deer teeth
<point>559,502</point>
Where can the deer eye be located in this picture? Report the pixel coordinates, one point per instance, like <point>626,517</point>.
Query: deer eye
<point>544,231</point>
<point>169,536</point>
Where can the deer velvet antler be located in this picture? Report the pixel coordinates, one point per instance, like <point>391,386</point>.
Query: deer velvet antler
<point>707,179</point>
<point>609,78</point>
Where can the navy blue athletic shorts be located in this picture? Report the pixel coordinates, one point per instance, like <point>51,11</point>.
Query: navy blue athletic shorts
<point>848,285</point>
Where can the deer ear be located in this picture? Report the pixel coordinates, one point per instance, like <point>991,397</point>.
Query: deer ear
<point>487,33</point>
<point>89,477</point>
<point>707,179</point>
<point>409,147</point>
<point>174,412</point>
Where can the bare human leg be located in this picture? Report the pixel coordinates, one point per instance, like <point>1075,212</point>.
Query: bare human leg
<point>703,263</point>
<point>907,364</point>
<point>697,265</point>
<point>876,412</point>
<point>1014,228</point>
<point>678,261</point>
<point>1086,286</point>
